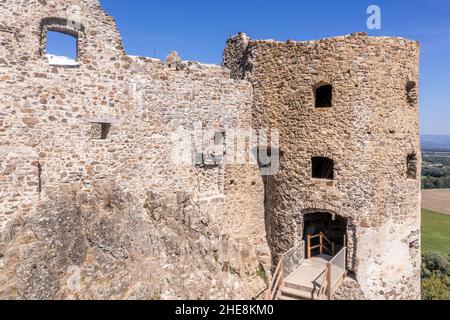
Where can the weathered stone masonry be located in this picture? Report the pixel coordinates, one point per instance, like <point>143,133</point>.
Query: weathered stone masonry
<point>89,193</point>
<point>166,236</point>
<point>370,131</point>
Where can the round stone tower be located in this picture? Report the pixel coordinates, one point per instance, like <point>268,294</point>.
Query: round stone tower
<point>347,112</point>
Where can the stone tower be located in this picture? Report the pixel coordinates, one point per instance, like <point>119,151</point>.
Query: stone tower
<point>347,111</point>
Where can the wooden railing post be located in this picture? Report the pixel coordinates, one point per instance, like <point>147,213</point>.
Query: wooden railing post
<point>321,242</point>
<point>276,281</point>
<point>329,284</point>
<point>309,246</point>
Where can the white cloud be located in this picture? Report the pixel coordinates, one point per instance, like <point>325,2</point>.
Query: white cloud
<point>61,61</point>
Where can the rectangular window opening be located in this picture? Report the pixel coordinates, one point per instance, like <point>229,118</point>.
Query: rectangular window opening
<point>61,49</point>
<point>322,168</point>
<point>100,131</point>
<point>324,96</point>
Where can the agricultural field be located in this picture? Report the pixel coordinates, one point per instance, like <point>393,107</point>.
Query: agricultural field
<point>436,221</point>
<point>437,200</point>
<point>435,232</point>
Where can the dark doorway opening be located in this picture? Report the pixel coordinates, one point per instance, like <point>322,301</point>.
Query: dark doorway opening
<point>334,227</point>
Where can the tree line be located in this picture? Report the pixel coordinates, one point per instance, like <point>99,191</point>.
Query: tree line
<point>436,171</point>
<point>435,277</point>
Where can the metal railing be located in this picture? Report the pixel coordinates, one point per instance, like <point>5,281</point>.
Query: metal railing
<point>335,272</point>
<point>293,259</point>
<point>338,266</point>
<point>289,262</point>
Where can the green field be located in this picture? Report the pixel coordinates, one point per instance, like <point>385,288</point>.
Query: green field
<point>435,232</point>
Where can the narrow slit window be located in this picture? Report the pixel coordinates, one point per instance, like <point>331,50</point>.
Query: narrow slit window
<point>411,166</point>
<point>61,49</point>
<point>100,131</point>
<point>411,93</point>
<point>324,96</point>
<point>322,168</point>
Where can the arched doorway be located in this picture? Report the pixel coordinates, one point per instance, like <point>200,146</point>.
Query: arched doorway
<point>332,226</point>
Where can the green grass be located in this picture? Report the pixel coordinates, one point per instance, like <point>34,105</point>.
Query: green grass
<point>435,232</point>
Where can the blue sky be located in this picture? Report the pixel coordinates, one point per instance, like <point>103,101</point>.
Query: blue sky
<point>198,29</point>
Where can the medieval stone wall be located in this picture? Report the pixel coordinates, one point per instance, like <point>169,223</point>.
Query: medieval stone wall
<point>94,205</point>
<point>369,132</point>
<point>204,234</point>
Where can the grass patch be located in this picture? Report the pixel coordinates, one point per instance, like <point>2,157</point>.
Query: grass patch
<point>435,232</point>
<point>261,272</point>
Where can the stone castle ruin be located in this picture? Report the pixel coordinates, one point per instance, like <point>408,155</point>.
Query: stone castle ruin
<point>94,205</point>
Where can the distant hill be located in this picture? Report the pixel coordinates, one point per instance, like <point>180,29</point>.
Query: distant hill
<point>435,142</point>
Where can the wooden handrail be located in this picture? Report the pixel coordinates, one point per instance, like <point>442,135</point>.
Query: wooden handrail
<point>323,285</point>
<point>288,263</point>
<point>326,239</point>
<point>277,278</point>
<point>309,246</point>
<point>326,288</point>
<point>327,249</point>
<point>321,242</point>
<point>329,284</point>
<point>321,245</point>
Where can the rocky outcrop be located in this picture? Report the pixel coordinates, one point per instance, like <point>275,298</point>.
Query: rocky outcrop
<point>100,243</point>
<point>349,290</point>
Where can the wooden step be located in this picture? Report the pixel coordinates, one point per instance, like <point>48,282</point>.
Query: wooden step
<point>285,298</point>
<point>287,293</point>
<point>299,287</point>
<point>309,277</point>
<point>310,287</point>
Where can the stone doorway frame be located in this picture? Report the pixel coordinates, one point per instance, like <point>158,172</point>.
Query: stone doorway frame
<point>352,240</point>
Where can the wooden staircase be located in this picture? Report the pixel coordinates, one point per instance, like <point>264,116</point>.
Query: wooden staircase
<point>307,282</point>
<point>315,278</point>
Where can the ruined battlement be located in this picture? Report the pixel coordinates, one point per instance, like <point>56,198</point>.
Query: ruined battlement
<point>146,65</point>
